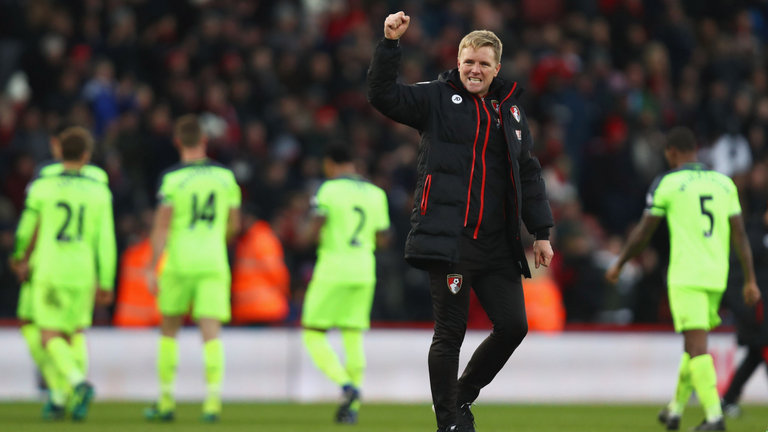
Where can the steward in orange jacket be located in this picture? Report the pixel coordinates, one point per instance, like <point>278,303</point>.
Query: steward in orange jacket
<point>260,279</point>
<point>135,306</point>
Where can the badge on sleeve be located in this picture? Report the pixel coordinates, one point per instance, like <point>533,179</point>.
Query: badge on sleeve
<point>515,112</point>
<point>454,282</point>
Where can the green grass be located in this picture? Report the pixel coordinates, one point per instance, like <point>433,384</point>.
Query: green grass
<point>275,417</point>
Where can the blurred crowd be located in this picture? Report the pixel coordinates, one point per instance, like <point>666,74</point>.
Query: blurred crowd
<point>276,82</point>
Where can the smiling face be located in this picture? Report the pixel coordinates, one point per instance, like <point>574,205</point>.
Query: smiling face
<point>477,68</point>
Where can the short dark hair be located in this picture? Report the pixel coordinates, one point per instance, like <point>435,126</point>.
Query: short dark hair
<point>339,153</point>
<point>75,142</point>
<point>681,139</point>
<point>188,130</point>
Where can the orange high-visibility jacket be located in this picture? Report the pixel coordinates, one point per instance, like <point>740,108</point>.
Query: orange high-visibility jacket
<point>543,304</point>
<point>260,280</point>
<point>135,306</point>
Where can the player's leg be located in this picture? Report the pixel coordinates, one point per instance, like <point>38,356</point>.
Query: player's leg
<point>671,414</point>
<point>696,312</point>
<point>29,331</point>
<point>500,292</point>
<point>450,311</point>
<point>56,312</point>
<point>746,368</point>
<point>167,363</point>
<point>356,301</point>
<point>319,313</point>
<point>213,358</point>
<point>354,353</point>
<point>211,309</point>
<point>173,300</point>
<point>78,340</point>
<point>80,350</point>
<point>324,357</point>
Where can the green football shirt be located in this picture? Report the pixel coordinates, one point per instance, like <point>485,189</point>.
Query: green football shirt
<point>201,194</point>
<point>75,245</point>
<point>354,210</point>
<point>47,169</point>
<point>697,203</point>
<point>88,170</point>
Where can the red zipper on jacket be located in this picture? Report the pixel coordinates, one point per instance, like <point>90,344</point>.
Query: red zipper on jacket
<point>485,147</point>
<point>474,154</point>
<point>425,194</point>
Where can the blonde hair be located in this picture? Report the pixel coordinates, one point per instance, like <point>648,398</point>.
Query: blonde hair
<point>187,130</point>
<point>481,38</point>
<point>75,141</point>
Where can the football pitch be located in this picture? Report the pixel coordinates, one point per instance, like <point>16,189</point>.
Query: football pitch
<point>284,417</point>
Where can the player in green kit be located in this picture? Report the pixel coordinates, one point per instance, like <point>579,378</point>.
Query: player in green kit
<point>29,330</point>
<point>67,231</point>
<point>198,211</point>
<point>704,217</point>
<point>351,218</point>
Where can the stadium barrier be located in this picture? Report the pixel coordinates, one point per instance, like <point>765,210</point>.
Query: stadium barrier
<point>271,364</point>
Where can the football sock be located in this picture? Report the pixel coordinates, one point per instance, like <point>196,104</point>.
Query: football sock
<point>354,353</point>
<point>64,359</point>
<point>324,357</point>
<point>80,351</point>
<point>58,387</point>
<point>684,386</point>
<point>213,357</point>
<point>167,360</point>
<point>704,381</point>
<point>31,334</point>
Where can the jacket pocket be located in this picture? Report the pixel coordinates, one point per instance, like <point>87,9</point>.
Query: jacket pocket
<point>425,194</point>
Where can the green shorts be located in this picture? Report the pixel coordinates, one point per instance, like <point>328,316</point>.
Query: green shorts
<point>694,308</point>
<point>334,305</point>
<point>86,316</point>
<point>207,294</point>
<point>60,308</point>
<point>24,308</point>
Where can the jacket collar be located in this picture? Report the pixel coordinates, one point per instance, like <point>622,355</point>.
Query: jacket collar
<point>499,86</point>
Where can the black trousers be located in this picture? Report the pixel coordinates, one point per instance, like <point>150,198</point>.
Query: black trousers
<point>500,292</point>
<point>745,370</point>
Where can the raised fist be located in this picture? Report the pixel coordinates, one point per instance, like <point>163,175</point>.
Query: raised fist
<point>395,25</point>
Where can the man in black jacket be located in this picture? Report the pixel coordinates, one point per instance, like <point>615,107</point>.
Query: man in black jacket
<point>477,181</point>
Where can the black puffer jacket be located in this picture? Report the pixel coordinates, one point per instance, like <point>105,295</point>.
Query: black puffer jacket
<point>447,117</point>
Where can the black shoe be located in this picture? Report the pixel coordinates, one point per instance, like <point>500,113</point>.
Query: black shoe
<point>451,428</point>
<point>466,421</point>
<point>717,425</point>
<point>345,414</point>
<point>671,421</point>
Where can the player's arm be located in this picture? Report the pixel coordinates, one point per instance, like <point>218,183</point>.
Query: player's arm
<point>233,223</point>
<point>743,251</point>
<point>26,236</point>
<point>107,256</point>
<point>310,232</point>
<point>638,240</point>
<point>383,239</point>
<point>158,237</point>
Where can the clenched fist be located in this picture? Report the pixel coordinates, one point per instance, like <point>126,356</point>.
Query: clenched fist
<point>395,25</point>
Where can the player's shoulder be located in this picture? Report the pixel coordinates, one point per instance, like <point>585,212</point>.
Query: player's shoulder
<point>95,172</point>
<point>47,168</point>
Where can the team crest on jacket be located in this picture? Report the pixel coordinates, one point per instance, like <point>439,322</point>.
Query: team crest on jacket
<point>454,282</point>
<point>495,105</point>
<point>515,112</point>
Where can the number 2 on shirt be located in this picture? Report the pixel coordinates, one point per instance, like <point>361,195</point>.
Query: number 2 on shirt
<point>354,241</point>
